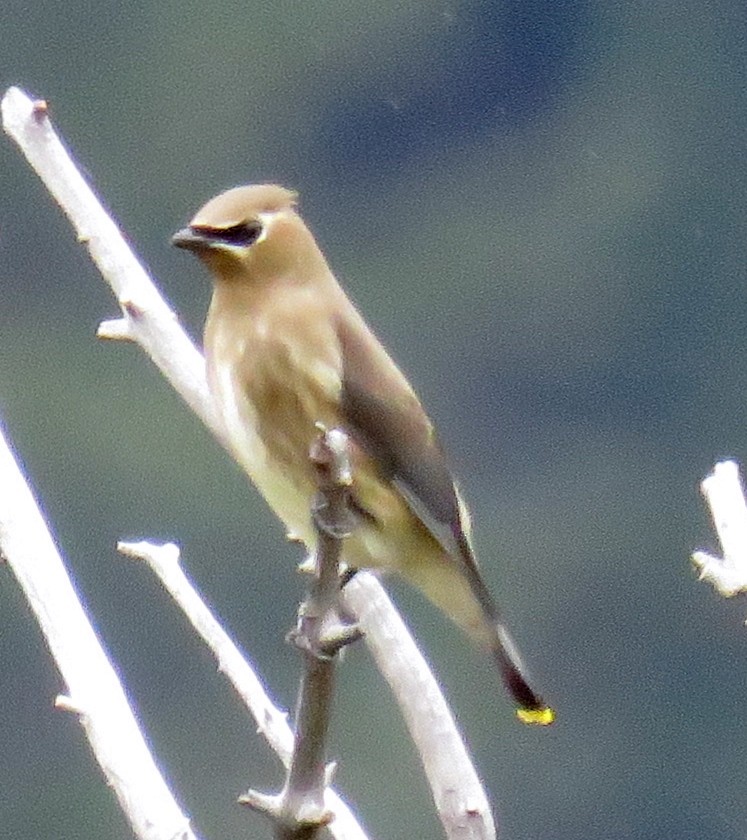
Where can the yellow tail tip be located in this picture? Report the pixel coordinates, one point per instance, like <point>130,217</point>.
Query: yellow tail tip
<point>536,717</point>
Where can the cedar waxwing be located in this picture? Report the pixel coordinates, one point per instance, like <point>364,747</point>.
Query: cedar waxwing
<point>285,350</point>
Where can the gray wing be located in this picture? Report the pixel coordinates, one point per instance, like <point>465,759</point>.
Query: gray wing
<point>385,417</point>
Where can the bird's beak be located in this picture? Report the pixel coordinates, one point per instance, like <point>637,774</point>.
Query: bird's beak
<point>191,240</point>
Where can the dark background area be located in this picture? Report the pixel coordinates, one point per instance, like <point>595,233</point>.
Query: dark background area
<point>540,207</point>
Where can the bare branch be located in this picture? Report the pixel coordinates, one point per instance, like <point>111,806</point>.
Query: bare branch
<point>272,724</point>
<point>164,561</point>
<point>724,493</point>
<point>299,811</point>
<point>150,321</point>
<point>458,794</point>
<point>94,691</point>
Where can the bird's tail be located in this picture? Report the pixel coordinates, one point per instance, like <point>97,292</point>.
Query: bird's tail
<point>460,592</point>
<point>530,707</point>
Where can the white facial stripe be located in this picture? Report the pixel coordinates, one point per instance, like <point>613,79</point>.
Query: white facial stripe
<point>266,219</point>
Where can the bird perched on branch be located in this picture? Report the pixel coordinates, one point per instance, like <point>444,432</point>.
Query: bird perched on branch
<point>287,350</point>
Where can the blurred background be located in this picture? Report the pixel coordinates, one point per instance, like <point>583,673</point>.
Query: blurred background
<point>540,207</point>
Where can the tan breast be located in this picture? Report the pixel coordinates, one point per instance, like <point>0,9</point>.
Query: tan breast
<point>273,380</point>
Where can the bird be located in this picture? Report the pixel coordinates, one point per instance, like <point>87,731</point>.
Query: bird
<point>287,353</point>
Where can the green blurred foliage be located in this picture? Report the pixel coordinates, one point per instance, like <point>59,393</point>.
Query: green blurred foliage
<point>540,207</point>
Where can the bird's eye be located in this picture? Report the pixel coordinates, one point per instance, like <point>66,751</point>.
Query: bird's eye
<point>244,234</point>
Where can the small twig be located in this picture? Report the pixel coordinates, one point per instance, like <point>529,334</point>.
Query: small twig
<point>299,811</point>
<point>725,496</point>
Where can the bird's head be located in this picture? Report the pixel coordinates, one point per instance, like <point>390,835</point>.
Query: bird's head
<point>250,233</point>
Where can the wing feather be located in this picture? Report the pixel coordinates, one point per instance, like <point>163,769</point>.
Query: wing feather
<point>386,418</point>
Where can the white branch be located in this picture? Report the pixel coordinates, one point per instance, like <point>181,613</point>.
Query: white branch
<point>272,724</point>
<point>155,328</point>
<point>458,794</point>
<point>725,496</point>
<point>94,692</point>
<point>163,561</point>
<point>149,320</point>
